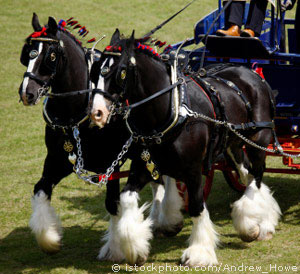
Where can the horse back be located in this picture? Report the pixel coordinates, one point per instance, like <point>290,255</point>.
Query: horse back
<point>244,93</point>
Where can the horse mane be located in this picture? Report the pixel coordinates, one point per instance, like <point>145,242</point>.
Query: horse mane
<point>140,46</point>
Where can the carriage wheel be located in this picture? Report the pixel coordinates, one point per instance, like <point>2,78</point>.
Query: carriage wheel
<point>207,188</point>
<point>233,180</point>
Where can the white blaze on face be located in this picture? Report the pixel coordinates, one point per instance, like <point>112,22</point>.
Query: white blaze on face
<point>100,110</point>
<point>29,69</point>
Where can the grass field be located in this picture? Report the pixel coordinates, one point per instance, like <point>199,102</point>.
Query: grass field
<point>80,206</point>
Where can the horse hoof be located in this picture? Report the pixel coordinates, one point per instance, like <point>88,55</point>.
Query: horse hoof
<point>252,235</point>
<point>49,241</point>
<point>158,233</point>
<point>164,232</point>
<point>140,261</point>
<point>175,230</point>
<point>107,254</point>
<point>266,237</point>
<point>50,249</point>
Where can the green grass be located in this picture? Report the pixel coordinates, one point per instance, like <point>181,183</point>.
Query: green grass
<point>80,206</point>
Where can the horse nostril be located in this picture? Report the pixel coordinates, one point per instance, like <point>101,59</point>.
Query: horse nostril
<point>99,114</point>
<point>30,96</point>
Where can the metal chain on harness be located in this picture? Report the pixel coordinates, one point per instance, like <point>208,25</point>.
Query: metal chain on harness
<point>83,174</point>
<point>41,92</point>
<point>230,126</point>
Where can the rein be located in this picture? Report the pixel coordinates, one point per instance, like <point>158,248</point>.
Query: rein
<point>80,92</point>
<point>126,109</point>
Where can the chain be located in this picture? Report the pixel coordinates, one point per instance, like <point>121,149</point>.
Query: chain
<point>230,126</point>
<point>111,169</point>
<point>83,174</point>
<point>41,92</point>
<point>78,168</point>
<point>157,137</point>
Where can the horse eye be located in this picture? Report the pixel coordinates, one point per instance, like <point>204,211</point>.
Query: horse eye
<point>104,70</point>
<point>53,56</point>
<point>33,54</point>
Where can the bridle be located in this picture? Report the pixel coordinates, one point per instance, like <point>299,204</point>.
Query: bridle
<point>50,61</point>
<point>118,107</point>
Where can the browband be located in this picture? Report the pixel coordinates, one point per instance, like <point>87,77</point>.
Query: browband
<point>44,39</point>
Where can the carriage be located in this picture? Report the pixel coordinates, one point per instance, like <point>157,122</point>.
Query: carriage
<point>274,55</point>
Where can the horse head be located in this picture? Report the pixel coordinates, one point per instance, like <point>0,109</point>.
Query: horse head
<point>41,55</point>
<point>128,71</point>
<point>47,55</point>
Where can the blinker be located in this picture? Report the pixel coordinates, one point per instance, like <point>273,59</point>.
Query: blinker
<point>33,54</point>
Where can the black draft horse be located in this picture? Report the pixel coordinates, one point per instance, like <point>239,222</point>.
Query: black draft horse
<point>132,72</point>
<point>54,58</point>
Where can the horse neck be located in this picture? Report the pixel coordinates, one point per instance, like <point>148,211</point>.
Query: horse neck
<point>152,76</point>
<point>72,75</point>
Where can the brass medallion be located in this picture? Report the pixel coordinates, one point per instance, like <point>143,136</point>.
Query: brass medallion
<point>68,147</point>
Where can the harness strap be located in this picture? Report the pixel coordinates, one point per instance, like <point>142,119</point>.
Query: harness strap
<point>35,78</point>
<point>238,92</point>
<point>155,95</point>
<point>212,105</point>
<point>254,125</point>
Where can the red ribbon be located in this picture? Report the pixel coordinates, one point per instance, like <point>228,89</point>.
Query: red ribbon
<point>39,33</point>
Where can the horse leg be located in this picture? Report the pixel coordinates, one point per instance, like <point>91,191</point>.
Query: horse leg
<point>204,238</point>
<point>238,159</point>
<point>170,219</point>
<point>134,231</point>
<point>158,192</point>
<point>256,214</point>
<point>44,222</point>
<point>111,250</point>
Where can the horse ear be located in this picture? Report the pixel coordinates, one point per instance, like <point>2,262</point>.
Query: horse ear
<point>115,37</point>
<point>132,36</point>
<point>52,25</point>
<point>35,23</point>
<point>131,44</point>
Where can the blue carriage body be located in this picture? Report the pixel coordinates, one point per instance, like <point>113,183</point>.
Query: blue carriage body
<point>274,51</point>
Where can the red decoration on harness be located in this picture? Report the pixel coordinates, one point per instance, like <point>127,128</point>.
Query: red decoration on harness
<point>39,33</point>
<point>148,48</point>
<point>82,30</point>
<point>85,33</point>
<point>62,23</point>
<point>72,23</point>
<point>91,40</point>
<point>160,43</point>
<point>116,175</point>
<point>113,48</point>
<point>77,26</point>
<point>168,48</point>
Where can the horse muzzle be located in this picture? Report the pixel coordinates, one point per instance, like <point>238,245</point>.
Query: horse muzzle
<point>100,110</point>
<point>27,96</point>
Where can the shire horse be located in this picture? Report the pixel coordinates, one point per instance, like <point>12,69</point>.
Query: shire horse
<point>133,73</point>
<point>55,58</point>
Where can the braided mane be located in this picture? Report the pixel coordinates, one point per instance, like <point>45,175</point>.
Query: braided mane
<point>64,27</point>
